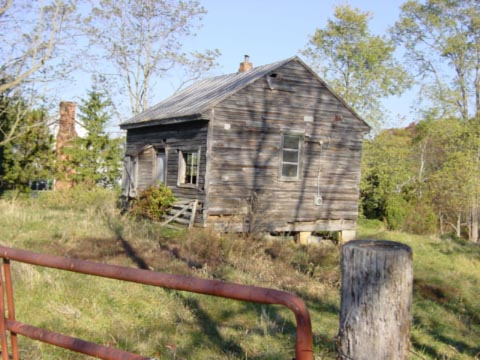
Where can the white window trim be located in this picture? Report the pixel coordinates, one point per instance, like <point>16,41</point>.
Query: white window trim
<point>182,169</point>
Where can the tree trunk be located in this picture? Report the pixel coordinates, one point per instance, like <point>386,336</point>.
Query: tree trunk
<point>377,285</point>
<point>474,224</point>
<point>458,230</point>
<point>442,226</point>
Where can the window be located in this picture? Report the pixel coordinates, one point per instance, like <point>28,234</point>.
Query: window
<point>188,166</point>
<point>290,164</point>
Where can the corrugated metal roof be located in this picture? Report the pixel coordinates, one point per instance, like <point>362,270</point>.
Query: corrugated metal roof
<point>202,95</point>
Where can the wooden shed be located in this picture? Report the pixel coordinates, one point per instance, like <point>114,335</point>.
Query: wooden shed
<point>270,147</point>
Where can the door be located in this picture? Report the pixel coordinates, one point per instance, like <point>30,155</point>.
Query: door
<point>161,168</point>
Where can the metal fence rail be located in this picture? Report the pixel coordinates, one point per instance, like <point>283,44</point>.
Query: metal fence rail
<point>303,343</point>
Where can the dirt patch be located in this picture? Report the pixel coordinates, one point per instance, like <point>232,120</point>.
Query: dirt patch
<point>437,293</point>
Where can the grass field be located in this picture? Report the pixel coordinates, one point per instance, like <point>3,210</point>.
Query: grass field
<point>176,325</point>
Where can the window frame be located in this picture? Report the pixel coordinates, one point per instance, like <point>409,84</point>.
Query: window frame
<point>298,163</point>
<point>182,167</point>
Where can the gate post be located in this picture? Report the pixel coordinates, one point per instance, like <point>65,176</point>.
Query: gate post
<point>376,298</point>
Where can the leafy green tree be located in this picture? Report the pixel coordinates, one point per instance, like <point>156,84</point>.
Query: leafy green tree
<point>358,65</point>
<point>423,177</point>
<point>388,172</point>
<point>5,114</point>
<point>30,157</point>
<point>451,167</point>
<point>442,42</point>
<point>94,158</point>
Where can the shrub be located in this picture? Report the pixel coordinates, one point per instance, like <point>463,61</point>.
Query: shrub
<point>422,220</point>
<point>397,209</point>
<point>13,195</point>
<point>153,202</point>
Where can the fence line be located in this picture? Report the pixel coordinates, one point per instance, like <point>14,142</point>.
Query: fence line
<point>303,342</point>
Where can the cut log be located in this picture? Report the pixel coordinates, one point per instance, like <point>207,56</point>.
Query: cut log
<point>376,299</point>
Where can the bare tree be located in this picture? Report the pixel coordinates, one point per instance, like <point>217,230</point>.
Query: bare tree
<point>31,34</point>
<point>142,40</point>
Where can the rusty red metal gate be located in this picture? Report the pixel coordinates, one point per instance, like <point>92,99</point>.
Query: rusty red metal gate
<point>303,343</point>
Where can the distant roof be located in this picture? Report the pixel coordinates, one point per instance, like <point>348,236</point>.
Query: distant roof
<point>202,95</point>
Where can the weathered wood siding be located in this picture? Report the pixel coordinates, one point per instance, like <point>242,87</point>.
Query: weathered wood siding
<point>178,137</point>
<point>145,166</point>
<point>244,155</point>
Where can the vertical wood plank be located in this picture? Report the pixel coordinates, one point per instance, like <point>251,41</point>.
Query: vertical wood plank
<point>377,285</point>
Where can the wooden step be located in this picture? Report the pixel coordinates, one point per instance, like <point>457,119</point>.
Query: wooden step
<point>183,212</point>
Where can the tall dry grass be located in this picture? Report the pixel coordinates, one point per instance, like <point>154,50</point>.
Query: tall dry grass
<point>166,324</point>
<point>155,322</point>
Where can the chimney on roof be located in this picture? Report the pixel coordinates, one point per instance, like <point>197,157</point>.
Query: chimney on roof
<point>245,65</point>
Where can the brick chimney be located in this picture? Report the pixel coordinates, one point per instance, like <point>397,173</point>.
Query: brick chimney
<point>66,133</point>
<point>67,119</point>
<point>245,65</point>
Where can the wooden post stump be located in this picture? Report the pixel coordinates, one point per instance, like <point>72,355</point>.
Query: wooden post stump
<point>377,285</point>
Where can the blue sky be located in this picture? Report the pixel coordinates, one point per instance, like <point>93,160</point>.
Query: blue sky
<point>269,31</point>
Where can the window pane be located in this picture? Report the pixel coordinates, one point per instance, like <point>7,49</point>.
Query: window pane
<point>190,169</point>
<point>289,170</point>
<point>291,142</point>
<point>188,158</point>
<point>290,156</point>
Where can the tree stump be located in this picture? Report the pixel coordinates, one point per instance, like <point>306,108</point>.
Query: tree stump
<point>377,285</point>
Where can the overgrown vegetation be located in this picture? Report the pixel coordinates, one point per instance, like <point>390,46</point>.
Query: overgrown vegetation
<point>152,202</point>
<point>30,157</point>
<point>424,179</point>
<point>175,325</point>
<point>446,322</point>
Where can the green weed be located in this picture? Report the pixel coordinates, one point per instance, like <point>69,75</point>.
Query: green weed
<point>167,324</point>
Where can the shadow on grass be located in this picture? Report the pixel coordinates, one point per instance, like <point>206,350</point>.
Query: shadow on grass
<point>279,324</point>
<point>424,348</point>
<point>448,298</point>
<point>460,346</point>
<point>175,253</point>
<point>209,329</point>
<point>117,228</point>
<point>133,255</point>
